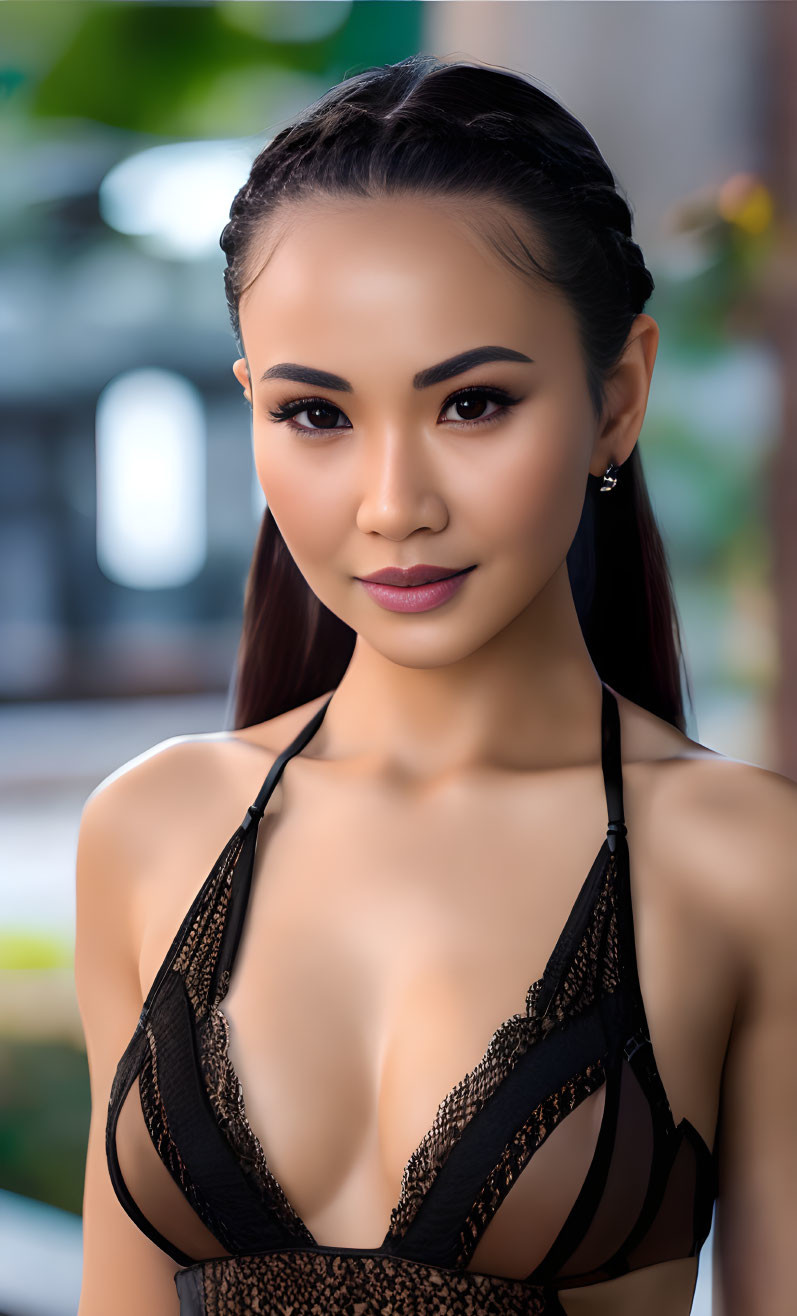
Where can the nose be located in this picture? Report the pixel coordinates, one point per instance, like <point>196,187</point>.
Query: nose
<point>400,493</point>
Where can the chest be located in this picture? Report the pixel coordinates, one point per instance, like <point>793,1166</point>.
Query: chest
<point>388,938</point>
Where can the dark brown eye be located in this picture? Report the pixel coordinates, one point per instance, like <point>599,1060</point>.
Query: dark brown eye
<point>471,408</point>
<point>322,417</point>
<point>471,404</point>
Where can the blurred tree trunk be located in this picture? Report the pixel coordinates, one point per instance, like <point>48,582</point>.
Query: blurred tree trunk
<point>781,318</point>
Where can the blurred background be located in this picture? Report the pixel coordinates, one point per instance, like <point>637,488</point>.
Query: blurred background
<point>125,130</point>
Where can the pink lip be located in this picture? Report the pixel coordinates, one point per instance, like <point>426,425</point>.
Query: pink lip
<point>415,598</point>
<point>419,574</point>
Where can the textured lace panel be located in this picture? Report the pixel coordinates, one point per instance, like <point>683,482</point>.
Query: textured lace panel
<point>332,1283</point>
<point>508,1043</point>
<point>227,1098</point>
<point>594,967</point>
<point>535,1129</point>
<point>155,1118</point>
<point>197,957</point>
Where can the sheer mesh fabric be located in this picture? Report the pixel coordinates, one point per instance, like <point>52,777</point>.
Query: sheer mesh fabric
<point>358,1285</point>
<point>554,1163</point>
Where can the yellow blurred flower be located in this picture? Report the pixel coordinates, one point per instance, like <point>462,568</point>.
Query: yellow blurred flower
<point>745,201</point>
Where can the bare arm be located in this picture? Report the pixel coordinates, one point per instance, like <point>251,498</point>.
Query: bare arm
<point>756,1220</point>
<point>123,1272</point>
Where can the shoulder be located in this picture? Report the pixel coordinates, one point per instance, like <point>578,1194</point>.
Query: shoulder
<point>742,820</point>
<point>174,776</point>
<point>721,833</point>
<point>150,825</point>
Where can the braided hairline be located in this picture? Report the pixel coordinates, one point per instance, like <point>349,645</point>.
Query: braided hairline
<point>606,213</point>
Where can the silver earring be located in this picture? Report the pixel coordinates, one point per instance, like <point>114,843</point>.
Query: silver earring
<point>609,478</point>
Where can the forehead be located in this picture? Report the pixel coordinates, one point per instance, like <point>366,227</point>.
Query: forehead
<point>395,269</point>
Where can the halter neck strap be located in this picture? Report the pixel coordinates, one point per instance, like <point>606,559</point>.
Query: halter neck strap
<point>255,811</point>
<point>611,762</point>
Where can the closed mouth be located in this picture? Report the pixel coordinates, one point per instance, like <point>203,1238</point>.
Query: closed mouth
<point>412,577</point>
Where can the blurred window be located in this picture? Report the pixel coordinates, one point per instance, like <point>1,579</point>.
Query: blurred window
<point>151,481</point>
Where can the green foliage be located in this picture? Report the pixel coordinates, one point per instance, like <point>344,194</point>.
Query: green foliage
<point>45,1108</point>
<point>186,70</point>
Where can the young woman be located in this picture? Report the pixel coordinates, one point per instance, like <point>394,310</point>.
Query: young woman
<point>504,998</point>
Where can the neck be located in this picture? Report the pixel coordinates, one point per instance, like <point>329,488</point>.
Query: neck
<point>530,697</point>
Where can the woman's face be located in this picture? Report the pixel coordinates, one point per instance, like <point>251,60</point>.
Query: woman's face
<point>484,468</point>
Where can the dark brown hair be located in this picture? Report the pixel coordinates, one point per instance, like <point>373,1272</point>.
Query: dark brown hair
<point>480,134</point>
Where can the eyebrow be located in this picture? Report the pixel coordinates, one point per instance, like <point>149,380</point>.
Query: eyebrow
<point>453,365</point>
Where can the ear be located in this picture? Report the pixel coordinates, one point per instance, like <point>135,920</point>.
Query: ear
<point>627,392</point>
<point>241,371</point>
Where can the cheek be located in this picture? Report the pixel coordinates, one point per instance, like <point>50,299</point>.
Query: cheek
<point>530,507</point>
<point>309,516</point>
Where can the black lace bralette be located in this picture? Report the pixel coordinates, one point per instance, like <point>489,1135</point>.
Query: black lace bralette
<point>639,1191</point>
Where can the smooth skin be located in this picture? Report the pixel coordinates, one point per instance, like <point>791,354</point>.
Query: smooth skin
<point>420,856</point>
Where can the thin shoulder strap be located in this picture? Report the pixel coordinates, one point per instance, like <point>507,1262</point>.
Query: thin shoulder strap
<point>611,759</point>
<point>241,879</point>
<point>255,811</point>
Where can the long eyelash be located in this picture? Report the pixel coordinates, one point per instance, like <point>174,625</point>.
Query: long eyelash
<point>285,411</point>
